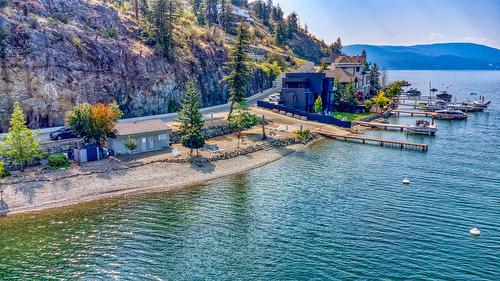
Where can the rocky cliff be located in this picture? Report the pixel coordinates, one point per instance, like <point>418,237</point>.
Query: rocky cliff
<point>63,52</point>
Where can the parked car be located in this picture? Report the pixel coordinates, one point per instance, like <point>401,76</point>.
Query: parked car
<point>274,98</point>
<point>63,133</point>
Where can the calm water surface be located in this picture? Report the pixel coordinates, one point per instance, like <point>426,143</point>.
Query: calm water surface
<point>334,211</point>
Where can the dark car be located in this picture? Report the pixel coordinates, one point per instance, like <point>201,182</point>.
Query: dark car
<point>63,133</point>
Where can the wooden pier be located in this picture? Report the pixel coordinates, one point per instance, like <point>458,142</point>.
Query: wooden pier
<point>417,99</point>
<point>381,142</point>
<point>413,112</point>
<point>384,126</point>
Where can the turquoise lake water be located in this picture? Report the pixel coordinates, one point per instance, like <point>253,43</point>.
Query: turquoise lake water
<point>335,211</point>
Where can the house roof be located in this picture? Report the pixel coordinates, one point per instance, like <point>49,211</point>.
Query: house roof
<point>140,127</point>
<point>350,59</point>
<point>330,59</point>
<point>340,75</point>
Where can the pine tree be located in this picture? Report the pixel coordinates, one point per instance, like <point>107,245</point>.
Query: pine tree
<point>165,14</point>
<point>280,36</point>
<point>225,15</point>
<point>212,7</point>
<point>277,14</point>
<point>199,10</point>
<point>363,54</point>
<point>374,79</point>
<point>240,3</point>
<point>336,48</point>
<point>20,145</point>
<point>239,65</point>
<point>191,119</point>
<point>292,22</point>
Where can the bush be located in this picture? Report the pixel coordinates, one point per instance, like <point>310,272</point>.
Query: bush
<point>302,135</point>
<point>57,161</point>
<point>111,32</point>
<point>3,172</point>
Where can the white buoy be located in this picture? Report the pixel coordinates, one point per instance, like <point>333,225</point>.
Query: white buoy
<point>406,181</point>
<point>475,231</point>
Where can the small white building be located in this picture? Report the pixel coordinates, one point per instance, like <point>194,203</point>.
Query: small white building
<point>150,135</point>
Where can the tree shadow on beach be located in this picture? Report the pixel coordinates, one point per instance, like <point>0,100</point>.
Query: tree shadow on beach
<point>201,164</point>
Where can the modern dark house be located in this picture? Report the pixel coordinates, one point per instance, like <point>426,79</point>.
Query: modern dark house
<point>300,90</point>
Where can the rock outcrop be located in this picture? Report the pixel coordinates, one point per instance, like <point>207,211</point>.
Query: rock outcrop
<point>65,52</point>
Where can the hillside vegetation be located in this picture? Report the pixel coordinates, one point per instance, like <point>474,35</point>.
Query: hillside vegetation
<point>138,53</point>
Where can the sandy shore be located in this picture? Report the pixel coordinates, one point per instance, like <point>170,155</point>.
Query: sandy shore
<point>156,177</point>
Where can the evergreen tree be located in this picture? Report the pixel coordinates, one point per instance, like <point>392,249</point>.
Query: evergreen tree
<point>225,15</point>
<point>363,54</point>
<point>199,10</point>
<point>318,105</point>
<point>240,3</point>
<point>20,145</point>
<point>374,79</point>
<point>336,48</point>
<point>277,14</point>
<point>292,23</point>
<point>191,119</point>
<point>280,36</point>
<point>165,13</point>
<point>239,65</point>
<point>212,7</point>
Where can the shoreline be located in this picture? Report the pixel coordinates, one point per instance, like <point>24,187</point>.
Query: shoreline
<point>153,178</point>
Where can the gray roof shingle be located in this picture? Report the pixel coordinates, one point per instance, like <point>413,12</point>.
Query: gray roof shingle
<point>141,127</point>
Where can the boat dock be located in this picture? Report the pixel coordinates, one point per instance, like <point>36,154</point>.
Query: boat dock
<point>417,99</point>
<point>382,125</point>
<point>381,142</point>
<point>413,112</point>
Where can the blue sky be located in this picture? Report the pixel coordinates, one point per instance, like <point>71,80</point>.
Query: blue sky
<point>400,22</point>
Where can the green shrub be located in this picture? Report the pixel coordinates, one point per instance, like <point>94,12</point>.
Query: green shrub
<point>57,161</point>
<point>3,172</point>
<point>111,32</point>
<point>304,134</point>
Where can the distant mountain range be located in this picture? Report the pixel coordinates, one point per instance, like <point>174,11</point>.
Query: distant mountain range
<point>444,56</point>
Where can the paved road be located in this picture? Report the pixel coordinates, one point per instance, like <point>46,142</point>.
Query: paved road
<point>44,134</point>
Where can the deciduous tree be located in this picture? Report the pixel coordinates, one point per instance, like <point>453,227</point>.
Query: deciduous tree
<point>93,122</point>
<point>318,105</point>
<point>20,145</point>
<point>242,119</point>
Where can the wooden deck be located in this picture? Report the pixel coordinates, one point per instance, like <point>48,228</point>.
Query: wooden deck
<point>417,99</point>
<point>413,112</point>
<point>381,142</point>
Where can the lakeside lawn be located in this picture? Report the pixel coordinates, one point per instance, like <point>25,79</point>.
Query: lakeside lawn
<point>349,116</point>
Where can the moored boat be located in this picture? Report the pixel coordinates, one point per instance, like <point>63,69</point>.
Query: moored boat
<point>451,114</point>
<point>423,127</point>
<point>413,93</point>
<point>461,106</point>
<point>444,96</point>
<point>435,105</point>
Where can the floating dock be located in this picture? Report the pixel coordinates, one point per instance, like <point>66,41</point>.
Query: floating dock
<point>417,99</point>
<point>413,112</point>
<point>381,142</point>
<point>384,126</point>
